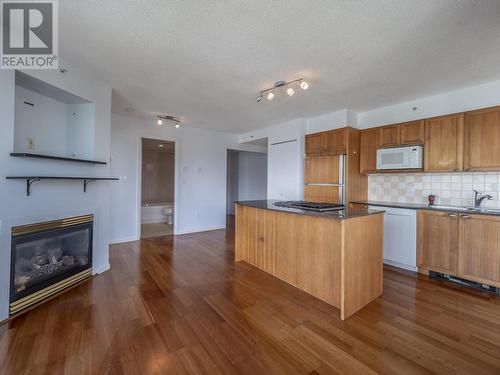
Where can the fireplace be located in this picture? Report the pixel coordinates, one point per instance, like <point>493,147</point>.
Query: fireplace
<point>49,257</point>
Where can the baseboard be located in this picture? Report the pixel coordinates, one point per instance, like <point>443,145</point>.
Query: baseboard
<point>122,240</point>
<point>400,265</point>
<point>200,230</point>
<point>102,269</point>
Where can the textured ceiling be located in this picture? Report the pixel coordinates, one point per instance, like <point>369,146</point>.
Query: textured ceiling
<point>204,61</point>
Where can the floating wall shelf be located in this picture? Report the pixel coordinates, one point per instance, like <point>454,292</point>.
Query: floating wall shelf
<point>86,180</point>
<point>42,156</point>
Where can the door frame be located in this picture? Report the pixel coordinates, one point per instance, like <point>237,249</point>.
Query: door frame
<point>139,182</point>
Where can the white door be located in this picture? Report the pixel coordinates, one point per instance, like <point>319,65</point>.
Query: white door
<point>284,171</point>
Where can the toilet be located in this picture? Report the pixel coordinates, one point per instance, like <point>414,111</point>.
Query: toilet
<point>168,212</point>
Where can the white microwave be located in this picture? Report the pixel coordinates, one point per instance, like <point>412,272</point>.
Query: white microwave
<point>400,158</point>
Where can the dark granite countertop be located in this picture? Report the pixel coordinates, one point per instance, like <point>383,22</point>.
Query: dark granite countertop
<point>345,214</point>
<point>416,206</point>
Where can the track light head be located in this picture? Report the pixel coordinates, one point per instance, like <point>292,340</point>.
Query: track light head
<point>290,91</point>
<point>259,97</point>
<point>270,96</point>
<point>160,121</point>
<point>177,124</point>
<point>304,85</point>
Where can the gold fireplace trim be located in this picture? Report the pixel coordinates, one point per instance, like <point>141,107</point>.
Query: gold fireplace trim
<point>27,301</point>
<point>48,225</point>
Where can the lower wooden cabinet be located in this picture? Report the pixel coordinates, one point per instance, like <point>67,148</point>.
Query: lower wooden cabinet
<point>437,241</point>
<point>463,245</point>
<point>479,249</point>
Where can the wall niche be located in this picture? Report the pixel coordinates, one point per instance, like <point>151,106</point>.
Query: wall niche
<point>52,121</point>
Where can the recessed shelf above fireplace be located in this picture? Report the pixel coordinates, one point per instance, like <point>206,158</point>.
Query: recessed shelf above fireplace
<point>86,180</point>
<point>52,157</point>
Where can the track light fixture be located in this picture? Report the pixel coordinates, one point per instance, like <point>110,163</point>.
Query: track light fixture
<point>282,84</point>
<point>162,118</point>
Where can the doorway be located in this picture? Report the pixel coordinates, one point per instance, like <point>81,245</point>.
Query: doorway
<point>246,177</point>
<point>157,188</point>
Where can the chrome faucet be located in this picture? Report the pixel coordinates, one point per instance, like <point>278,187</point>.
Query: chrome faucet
<point>478,198</point>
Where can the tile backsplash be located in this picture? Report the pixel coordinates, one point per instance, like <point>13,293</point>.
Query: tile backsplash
<point>449,188</point>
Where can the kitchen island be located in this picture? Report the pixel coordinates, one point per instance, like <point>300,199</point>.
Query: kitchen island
<point>335,256</point>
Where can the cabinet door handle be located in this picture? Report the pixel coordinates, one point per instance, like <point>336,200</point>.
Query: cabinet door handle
<point>452,215</point>
<point>465,217</point>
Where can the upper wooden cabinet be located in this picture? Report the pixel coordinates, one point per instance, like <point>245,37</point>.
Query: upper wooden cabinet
<point>437,241</point>
<point>368,150</point>
<point>407,133</point>
<point>444,143</point>
<point>412,133</point>
<point>482,135</point>
<point>388,136</point>
<point>333,142</point>
<point>315,143</point>
<point>336,142</point>
<point>479,249</point>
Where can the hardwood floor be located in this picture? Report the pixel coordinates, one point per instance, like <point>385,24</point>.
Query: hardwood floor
<point>181,305</point>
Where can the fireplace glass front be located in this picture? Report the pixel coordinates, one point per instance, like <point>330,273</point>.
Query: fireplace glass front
<point>47,253</point>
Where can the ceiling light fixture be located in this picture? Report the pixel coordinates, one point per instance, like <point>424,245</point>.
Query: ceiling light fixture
<point>162,118</point>
<point>282,84</point>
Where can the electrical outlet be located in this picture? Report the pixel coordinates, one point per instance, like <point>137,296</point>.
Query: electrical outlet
<point>31,143</point>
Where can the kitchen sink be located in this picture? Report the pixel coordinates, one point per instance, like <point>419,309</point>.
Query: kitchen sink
<point>490,211</point>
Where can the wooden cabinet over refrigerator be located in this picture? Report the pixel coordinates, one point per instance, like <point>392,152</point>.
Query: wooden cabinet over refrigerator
<point>332,175</point>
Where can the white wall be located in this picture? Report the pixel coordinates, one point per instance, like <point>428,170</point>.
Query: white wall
<point>55,127</point>
<point>333,120</point>
<point>252,175</point>
<point>45,123</point>
<point>232,180</point>
<point>80,130</point>
<point>246,177</point>
<point>289,131</point>
<point>52,199</point>
<point>475,97</point>
<point>200,176</point>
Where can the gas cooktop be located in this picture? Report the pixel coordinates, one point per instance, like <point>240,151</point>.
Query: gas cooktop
<point>313,206</point>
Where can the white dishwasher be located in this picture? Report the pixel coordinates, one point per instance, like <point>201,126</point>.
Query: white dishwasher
<point>400,237</point>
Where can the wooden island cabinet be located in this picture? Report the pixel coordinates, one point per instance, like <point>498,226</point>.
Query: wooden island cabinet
<point>334,256</point>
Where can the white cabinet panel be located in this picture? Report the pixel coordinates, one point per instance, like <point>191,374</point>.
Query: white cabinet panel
<point>400,237</point>
<point>284,178</point>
